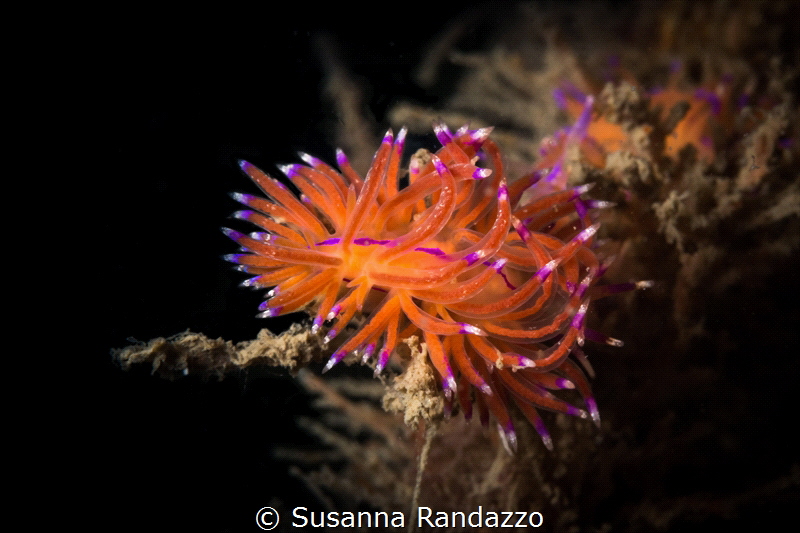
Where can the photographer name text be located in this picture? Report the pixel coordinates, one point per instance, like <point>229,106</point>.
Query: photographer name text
<point>425,517</point>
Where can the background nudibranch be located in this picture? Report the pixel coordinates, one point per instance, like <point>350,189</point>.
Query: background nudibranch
<point>496,287</point>
<point>700,117</point>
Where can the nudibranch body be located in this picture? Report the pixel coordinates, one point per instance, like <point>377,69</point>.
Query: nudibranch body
<point>497,288</point>
<point>701,117</point>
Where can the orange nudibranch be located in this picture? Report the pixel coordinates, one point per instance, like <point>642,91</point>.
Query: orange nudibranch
<point>496,287</point>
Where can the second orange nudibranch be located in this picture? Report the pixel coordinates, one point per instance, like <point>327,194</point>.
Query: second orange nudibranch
<point>497,288</point>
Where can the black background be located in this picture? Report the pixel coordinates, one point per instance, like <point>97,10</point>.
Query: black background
<point>180,100</point>
<point>164,105</point>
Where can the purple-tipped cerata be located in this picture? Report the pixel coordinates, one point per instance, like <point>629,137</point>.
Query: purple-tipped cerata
<point>494,277</point>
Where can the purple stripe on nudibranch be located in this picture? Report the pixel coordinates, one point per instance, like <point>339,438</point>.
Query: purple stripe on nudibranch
<point>580,208</point>
<point>498,267</point>
<point>505,278</point>
<point>582,124</point>
<point>554,173</point>
<point>432,251</point>
<point>366,241</point>
<point>473,258</point>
